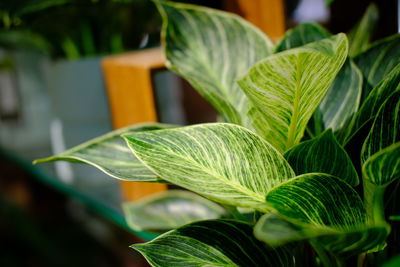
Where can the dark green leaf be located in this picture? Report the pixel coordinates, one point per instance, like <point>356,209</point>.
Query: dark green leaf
<point>110,154</point>
<point>385,129</point>
<point>223,162</point>
<point>360,36</point>
<point>168,210</point>
<point>301,35</point>
<point>325,209</point>
<point>343,97</point>
<point>376,62</point>
<point>277,231</point>
<point>370,107</point>
<point>212,49</point>
<point>213,243</point>
<point>322,154</point>
<point>395,262</point>
<point>383,167</point>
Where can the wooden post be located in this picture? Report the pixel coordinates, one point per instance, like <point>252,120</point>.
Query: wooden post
<point>268,15</point>
<point>129,84</point>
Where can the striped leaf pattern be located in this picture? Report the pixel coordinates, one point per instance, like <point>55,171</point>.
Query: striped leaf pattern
<point>168,210</point>
<point>325,209</point>
<point>376,62</point>
<point>211,49</point>
<point>342,100</point>
<point>318,199</point>
<point>213,243</point>
<point>360,36</point>
<point>380,153</point>
<point>110,154</point>
<point>370,107</point>
<point>383,167</point>
<point>287,87</point>
<point>322,154</point>
<point>277,231</point>
<point>223,162</point>
<point>301,35</point>
<point>385,129</point>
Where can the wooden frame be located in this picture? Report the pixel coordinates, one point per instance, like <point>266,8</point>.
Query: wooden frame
<point>129,84</point>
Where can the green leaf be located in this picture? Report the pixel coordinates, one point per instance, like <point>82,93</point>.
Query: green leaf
<point>287,87</point>
<point>277,231</point>
<point>383,167</point>
<point>322,154</point>
<point>213,243</point>
<point>211,49</point>
<point>110,154</point>
<point>342,100</point>
<point>323,208</point>
<point>301,35</point>
<point>370,107</point>
<point>360,36</point>
<point>394,262</point>
<point>168,210</point>
<point>223,162</point>
<point>23,39</point>
<point>318,199</point>
<point>385,129</point>
<point>376,62</point>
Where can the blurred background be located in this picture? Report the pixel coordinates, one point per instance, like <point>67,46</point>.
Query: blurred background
<point>53,97</point>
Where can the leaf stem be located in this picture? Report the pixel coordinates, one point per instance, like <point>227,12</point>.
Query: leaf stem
<point>327,259</point>
<point>373,199</point>
<point>235,213</point>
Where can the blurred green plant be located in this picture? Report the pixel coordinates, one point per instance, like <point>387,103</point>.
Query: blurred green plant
<point>78,28</point>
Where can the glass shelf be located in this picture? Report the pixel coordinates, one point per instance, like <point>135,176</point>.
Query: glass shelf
<point>98,199</point>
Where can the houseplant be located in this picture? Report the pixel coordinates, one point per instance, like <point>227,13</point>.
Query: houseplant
<point>309,142</point>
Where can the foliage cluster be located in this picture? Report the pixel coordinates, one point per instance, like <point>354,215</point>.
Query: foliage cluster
<point>296,171</point>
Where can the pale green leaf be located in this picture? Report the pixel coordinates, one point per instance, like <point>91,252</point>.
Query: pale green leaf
<point>213,243</point>
<point>385,129</point>
<point>277,231</point>
<point>301,35</point>
<point>110,154</point>
<point>376,62</point>
<point>383,167</point>
<point>287,87</point>
<point>325,209</point>
<point>168,210</point>
<point>211,49</point>
<point>322,154</point>
<point>223,162</point>
<point>360,36</point>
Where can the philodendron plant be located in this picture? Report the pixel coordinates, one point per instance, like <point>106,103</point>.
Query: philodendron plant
<point>294,174</point>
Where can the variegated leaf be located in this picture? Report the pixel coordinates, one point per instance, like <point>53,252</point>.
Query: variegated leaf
<point>212,49</point>
<point>277,231</point>
<point>385,129</point>
<point>168,210</point>
<point>213,243</point>
<point>287,87</point>
<point>325,209</point>
<point>376,62</point>
<point>383,167</point>
<point>223,162</point>
<point>301,35</point>
<point>110,154</point>
<point>370,107</point>
<point>360,36</point>
<point>343,98</point>
<point>322,154</point>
